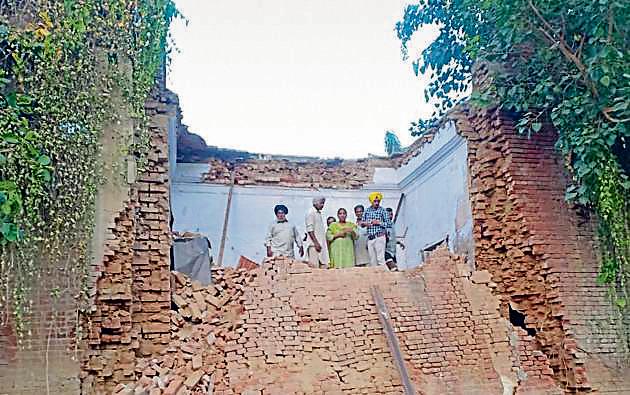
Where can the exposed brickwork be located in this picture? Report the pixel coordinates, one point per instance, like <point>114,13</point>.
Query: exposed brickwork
<point>539,250</point>
<point>339,174</point>
<point>531,365</point>
<point>458,340</point>
<point>317,331</point>
<point>285,171</point>
<point>130,316</point>
<point>306,173</point>
<point>205,318</point>
<point>110,355</point>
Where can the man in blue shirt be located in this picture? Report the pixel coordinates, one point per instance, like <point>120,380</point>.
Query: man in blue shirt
<point>376,220</point>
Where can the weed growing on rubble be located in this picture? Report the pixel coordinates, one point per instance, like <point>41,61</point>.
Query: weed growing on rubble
<point>564,62</point>
<point>63,65</point>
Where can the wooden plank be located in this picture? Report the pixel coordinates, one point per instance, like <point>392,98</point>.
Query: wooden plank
<point>392,340</point>
<point>226,218</point>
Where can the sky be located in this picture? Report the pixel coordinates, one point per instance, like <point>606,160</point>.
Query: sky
<point>296,77</point>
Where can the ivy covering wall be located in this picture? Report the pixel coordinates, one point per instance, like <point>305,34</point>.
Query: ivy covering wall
<point>64,67</point>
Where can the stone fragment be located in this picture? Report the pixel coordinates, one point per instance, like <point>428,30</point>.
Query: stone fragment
<point>481,277</point>
<point>178,300</point>
<point>194,378</point>
<point>174,386</point>
<point>197,361</point>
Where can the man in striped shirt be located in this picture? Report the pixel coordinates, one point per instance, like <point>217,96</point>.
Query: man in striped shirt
<point>376,220</point>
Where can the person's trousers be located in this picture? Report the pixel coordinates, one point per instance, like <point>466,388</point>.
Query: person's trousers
<point>376,250</point>
<point>313,257</point>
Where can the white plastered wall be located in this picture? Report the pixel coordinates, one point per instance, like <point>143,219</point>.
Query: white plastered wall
<point>435,206</point>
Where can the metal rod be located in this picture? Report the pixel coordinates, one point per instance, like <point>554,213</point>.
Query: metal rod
<point>392,340</point>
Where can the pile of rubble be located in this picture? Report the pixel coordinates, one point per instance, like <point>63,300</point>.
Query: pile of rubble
<point>203,319</point>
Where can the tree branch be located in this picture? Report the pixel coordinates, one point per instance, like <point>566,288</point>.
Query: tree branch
<point>606,111</point>
<point>610,24</point>
<point>578,53</point>
<point>548,32</point>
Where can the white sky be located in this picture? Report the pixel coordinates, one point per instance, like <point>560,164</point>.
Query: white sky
<point>322,78</point>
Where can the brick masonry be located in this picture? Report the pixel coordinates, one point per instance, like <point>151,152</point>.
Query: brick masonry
<point>533,254</point>
<point>306,173</point>
<point>130,317</point>
<point>336,174</point>
<point>540,251</point>
<point>48,354</point>
<point>290,172</point>
<point>285,328</point>
<point>316,331</point>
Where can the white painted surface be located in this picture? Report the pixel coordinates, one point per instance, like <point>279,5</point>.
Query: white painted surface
<point>200,208</point>
<point>436,192</point>
<point>436,203</point>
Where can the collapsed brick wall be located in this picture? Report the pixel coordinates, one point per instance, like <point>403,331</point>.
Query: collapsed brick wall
<point>202,320</point>
<point>337,174</point>
<point>285,328</point>
<point>311,173</point>
<point>540,251</point>
<point>130,316</point>
<point>458,333</point>
<point>317,331</point>
<point>453,332</point>
<point>295,172</point>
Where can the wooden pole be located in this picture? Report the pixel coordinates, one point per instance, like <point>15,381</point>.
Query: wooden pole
<point>226,218</point>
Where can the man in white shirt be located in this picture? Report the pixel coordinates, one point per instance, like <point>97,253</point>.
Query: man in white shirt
<point>282,235</point>
<point>317,249</point>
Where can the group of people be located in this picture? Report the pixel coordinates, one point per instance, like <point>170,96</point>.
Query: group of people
<point>370,241</point>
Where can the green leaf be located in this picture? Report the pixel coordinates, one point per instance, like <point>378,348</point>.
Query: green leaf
<point>536,126</point>
<point>43,160</point>
<point>12,234</point>
<point>45,174</point>
<point>11,99</point>
<point>605,80</point>
<point>10,138</point>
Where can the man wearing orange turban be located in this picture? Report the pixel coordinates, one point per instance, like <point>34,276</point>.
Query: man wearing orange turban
<point>376,220</point>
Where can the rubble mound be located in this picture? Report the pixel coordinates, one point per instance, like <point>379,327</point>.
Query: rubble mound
<point>203,320</point>
<point>285,328</point>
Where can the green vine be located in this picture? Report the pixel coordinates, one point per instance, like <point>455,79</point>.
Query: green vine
<point>63,64</point>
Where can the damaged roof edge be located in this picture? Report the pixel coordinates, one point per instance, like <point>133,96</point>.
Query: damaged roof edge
<point>192,148</point>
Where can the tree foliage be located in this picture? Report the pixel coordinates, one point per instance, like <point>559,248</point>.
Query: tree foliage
<point>64,67</point>
<point>559,61</point>
<point>392,143</point>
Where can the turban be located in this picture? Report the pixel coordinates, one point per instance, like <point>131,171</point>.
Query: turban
<point>281,207</point>
<point>319,199</point>
<point>375,195</point>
